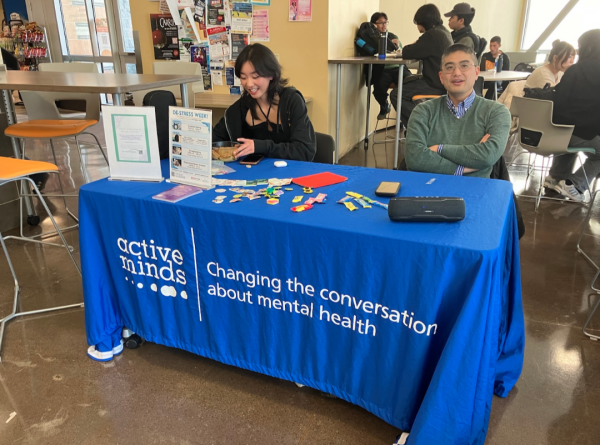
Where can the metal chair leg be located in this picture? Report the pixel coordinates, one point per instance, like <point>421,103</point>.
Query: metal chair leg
<point>99,146</point>
<point>584,225</point>
<point>62,191</point>
<point>68,248</point>
<point>587,322</point>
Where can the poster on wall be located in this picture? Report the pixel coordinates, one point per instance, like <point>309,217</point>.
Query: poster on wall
<point>200,14</point>
<point>215,13</point>
<point>260,26</point>
<point>300,10</point>
<point>241,17</point>
<point>219,43</point>
<point>238,43</point>
<point>261,2</point>
<point>200,54</point>
<point>165,37</point>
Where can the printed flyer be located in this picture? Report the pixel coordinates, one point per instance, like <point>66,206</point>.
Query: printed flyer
<point>190,157</point>
<point>219,43</point>
<point>300,10</point>
<point>165,36</point>
<point>216,13</point>
<point>241,17</point>
<point>260,26</point>
<point>238,43</point>
<point>199,54</point>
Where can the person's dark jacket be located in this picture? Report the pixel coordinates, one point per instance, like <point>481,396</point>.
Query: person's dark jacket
<point>467,31</point>
<point>297,129</point>
<point>10,60</point>
<point>489,58</point>
<point>429,49</point>
<point>369,33</point>
<point>577,95</point>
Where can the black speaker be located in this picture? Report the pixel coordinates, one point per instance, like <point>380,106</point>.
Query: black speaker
<point>421,208</point>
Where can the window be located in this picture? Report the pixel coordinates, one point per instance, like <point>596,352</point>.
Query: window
<point>82,31</point>
<point>540,13</point>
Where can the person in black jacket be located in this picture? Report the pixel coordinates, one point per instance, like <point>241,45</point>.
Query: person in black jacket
<point>382,76</point>
<point>460,19</point>
<point>270,118</point>
<point>577,102</point>
<point>429,48</point>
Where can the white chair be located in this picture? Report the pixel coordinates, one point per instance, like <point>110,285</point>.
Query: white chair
<point>187,68</point>
<point>539,136</point>
<point>42,105</point>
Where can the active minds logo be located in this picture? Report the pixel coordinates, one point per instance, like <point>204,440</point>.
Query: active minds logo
<point>142,259</point>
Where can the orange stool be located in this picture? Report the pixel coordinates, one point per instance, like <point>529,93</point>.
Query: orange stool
<point>13,170</point>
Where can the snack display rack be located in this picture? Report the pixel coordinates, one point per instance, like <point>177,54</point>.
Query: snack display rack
<point>29,44</point>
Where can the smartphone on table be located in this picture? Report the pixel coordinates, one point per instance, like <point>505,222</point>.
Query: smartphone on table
<point>252,159</point>
<point>387,188</point>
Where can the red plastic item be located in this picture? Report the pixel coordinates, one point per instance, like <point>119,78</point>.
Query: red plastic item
<point>319,180</point>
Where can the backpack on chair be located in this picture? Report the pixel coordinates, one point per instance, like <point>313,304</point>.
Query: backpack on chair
<point>479,51</point>
<point>161,100</point>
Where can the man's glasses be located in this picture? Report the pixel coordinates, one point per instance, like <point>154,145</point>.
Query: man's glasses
<point>463,66</point>
<point>383,23</point>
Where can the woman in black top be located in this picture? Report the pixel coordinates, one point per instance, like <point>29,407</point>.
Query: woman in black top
<point>270,118</point>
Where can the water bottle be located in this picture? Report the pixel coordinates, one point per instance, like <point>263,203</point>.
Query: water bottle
<point>496,64</point>
<point>383,45</point>
<point>499,62</point>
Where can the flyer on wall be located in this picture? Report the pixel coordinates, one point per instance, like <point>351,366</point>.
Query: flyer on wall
<point>238,43</point>
<point>219,43</point>
<point>241,17</point>
<point>261,2</point>
<point>190,156</point>
<point>215,13</point>
<point>300,10</point>
<point>260,26</point>
<point>165,36</point>
<point>200,54</point>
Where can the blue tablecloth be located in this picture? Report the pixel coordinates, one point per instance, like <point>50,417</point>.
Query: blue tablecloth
<point>419,323</point>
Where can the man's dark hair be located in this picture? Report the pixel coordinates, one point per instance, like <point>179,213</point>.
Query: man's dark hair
<point>428,16</point>
<point>266,65</point>
<point>496,39</point>
<point>376,16</point>
<point>468,18</point>
<point>459,47</point>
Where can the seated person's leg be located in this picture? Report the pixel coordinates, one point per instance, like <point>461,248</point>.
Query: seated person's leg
<point>380,91</point>
<point>573,185</point>
<point>489,94</point>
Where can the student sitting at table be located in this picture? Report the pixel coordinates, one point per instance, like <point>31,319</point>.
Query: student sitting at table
<point>270,118</point>
<point>577,102</point>
<point>561,57</point>
<point>428,48</point>
<point>459,133</point>
<point>488,63</point>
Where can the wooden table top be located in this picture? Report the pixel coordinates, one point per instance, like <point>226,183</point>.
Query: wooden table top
<point>374,60</point>
<point>109,83</point>
<point>212,100</point>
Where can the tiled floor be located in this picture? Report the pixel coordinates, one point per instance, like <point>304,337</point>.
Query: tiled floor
<point>161,395</point>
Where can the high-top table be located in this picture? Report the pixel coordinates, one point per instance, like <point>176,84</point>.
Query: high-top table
<point>107,83</point>
<point>373,60</point>
<point>502,76</point>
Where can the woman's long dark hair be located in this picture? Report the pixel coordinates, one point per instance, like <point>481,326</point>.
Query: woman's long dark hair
<point>266,65</point>
<point>589,45</point>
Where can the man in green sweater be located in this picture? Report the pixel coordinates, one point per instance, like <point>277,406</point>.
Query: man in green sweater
<point>459,133</point>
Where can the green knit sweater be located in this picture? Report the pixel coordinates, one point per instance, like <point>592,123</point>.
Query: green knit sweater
<point>432,123</point>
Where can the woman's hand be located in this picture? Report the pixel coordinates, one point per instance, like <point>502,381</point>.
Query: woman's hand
<point>246,148</point>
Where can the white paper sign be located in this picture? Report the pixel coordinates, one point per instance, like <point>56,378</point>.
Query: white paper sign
<point>132,143</point>
<point>190,156</point>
